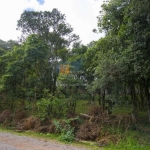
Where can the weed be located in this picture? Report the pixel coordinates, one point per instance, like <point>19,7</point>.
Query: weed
<point>66,131</point>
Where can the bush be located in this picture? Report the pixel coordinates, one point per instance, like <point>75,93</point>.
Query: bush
<point>51,107</point>
<point>65,129</point>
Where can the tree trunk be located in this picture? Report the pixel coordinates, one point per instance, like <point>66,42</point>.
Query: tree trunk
<point>133,95</point>
<point>147,95</point>
<point>34,101</point>
<point>141,97</point>
<point>103,100</point>
<point>99,100</point>
<point>54,84</point>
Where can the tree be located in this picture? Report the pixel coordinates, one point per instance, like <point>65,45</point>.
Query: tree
<point>53,29</point>
<point>8,45</point>
<point>24,70</point>
<point>72,72</point>
<point>128,21</point>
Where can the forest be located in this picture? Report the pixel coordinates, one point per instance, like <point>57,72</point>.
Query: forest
<point>51,83</point>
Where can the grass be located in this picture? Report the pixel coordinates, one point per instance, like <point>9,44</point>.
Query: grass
<point>30,133</point>
<point>137,139</point>
<point>130,140</point>
<point>82,106</point>
<point>128,144</point>
<point>122,110</point>
<point>134,139</point>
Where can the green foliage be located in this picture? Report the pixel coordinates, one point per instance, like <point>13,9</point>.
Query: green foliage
<point>51,107</point>
<point>67,79</point>
<point>116,67</point>
<point>67,132</point>
<point>9,45</point>
<point>118,64</point>
<point>67,135</point>
<point>128,144</point>
<point>83,106</point>
<point>22,69</point>
<point>52,28</point>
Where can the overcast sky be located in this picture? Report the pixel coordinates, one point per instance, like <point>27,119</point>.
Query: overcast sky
<point>80,14</point>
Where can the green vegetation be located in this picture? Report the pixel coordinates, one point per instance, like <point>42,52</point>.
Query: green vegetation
<point>51,76</point>
<point>128,144</point>
<point>67,132</point>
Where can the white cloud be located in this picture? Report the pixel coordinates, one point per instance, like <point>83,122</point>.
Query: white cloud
<point>81,14</point>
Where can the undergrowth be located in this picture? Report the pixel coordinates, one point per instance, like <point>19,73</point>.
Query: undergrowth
<point>66,130</point>
<point>128,143</point>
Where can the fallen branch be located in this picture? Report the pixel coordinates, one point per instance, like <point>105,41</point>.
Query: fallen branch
<point>85,116</point>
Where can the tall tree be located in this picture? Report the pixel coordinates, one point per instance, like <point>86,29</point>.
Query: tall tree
<point>23,73</point>
<point>128,21</point>
<point>53,29</point>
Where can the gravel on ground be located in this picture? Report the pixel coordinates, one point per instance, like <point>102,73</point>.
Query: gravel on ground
<point>9,141</point>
